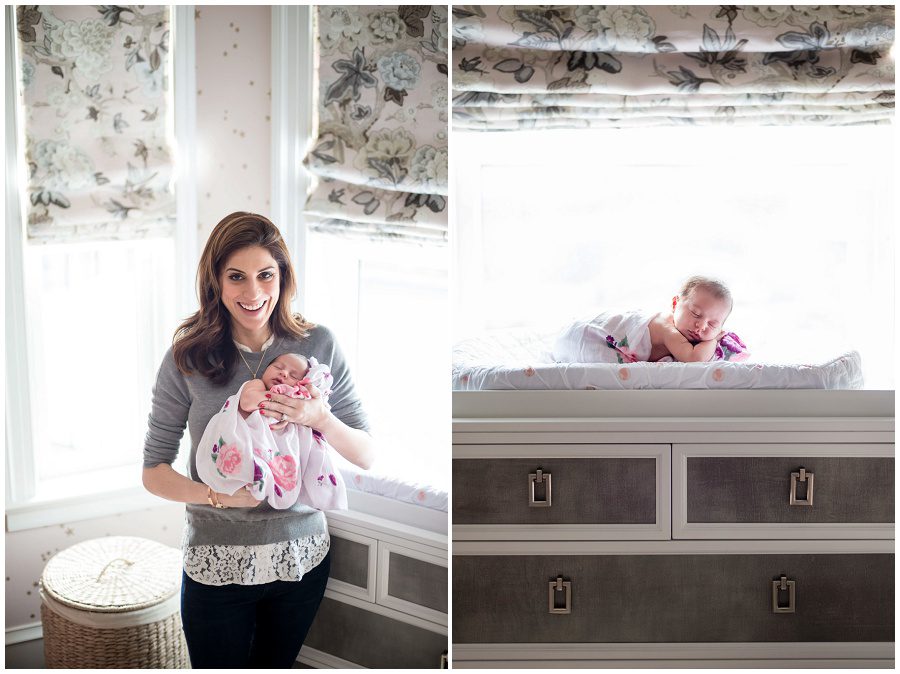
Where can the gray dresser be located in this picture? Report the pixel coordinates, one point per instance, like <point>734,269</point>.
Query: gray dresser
<point>386,601</point>
<point>598,529</point>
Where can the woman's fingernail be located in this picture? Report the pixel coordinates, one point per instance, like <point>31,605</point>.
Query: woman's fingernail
<point>268,395</point>
<point>262,406</point>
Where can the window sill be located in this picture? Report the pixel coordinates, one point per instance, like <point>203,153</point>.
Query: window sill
<point>68,500</point>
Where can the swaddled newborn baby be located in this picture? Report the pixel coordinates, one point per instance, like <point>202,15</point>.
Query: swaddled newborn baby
<point>691,332</point>
<point>280,461</point>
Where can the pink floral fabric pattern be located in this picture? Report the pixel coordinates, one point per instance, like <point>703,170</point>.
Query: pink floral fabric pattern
<point>282,466</point>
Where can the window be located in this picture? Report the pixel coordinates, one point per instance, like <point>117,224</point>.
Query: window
<point>797,220</point>
<point>387,304</point>
<point>89,321</point>
<point>99,318</point>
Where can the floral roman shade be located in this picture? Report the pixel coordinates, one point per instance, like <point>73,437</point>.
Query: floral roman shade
<point>380,152</point>
<point>556,66</point>
<point>96,118</point>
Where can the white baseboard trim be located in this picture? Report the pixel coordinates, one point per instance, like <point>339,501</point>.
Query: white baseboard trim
<point>23,633</point>
<point>322,660</point>
<point>676,664</point>
<point>786,651</point>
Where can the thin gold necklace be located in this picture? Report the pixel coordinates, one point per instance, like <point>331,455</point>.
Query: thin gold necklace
<point>260,360</point>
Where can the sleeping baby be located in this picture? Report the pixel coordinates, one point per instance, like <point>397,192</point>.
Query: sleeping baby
<point>280,461</point>
<point>691,332</point>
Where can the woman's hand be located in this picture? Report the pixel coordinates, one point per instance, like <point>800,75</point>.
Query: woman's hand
<point>312,412</point>
<point>354,445</point>
<point>242,498</point>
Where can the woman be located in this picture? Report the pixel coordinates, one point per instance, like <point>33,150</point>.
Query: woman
<point>253,576</point>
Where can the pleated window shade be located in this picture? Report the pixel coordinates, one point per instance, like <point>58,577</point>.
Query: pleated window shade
<point>94,89</point>
<point>596,66</point>
<point>380,151</point>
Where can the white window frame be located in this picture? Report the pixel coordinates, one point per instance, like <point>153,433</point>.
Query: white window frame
<point>293,91</point>
<point>24,508</point>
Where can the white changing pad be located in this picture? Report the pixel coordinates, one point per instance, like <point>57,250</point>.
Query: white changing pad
<point>389,487</point>
<point>520,360</point>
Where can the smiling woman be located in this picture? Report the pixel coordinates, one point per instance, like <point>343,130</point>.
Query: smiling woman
<point>250,296</point>
<point>232,560</point>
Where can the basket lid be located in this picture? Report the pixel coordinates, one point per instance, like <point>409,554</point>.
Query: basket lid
<point>113,574</point>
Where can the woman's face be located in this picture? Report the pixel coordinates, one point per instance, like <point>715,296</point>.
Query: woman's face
<point>250,287</point>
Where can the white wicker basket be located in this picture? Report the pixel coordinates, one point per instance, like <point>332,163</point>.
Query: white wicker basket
<point>113,603</point>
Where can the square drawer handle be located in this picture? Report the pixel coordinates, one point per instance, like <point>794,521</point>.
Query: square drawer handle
<point>560,586</point>
<point>539,477</point>
<point>802,476</point>
<point>783,584</point>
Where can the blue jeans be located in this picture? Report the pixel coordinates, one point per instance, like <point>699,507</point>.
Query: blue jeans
<point>231,626</point>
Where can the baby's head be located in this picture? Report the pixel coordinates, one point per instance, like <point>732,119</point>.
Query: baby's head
<point>288,368</point>
<point>700,309</point>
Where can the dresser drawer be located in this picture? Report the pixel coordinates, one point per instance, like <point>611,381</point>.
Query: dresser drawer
<point>558,492</point>
<point>783,491</point>
<point>371,640</point>
<point>353,564</point>
<point>724,598</point>
<point>413,581</point>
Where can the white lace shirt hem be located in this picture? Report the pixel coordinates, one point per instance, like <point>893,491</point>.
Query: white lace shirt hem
<point>255,564</point>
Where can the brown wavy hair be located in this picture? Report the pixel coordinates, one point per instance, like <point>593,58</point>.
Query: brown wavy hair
<point>203,343</point>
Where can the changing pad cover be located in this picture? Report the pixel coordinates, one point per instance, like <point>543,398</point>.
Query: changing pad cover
<point>520,360</point>
<point>399,490</point>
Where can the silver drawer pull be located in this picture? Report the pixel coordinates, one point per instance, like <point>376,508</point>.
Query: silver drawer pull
<point>542,478</point>
<point>564,588</point>
<point>784,585</point>
<point>806,478</point>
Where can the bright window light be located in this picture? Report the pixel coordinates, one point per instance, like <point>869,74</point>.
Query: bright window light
<point>557,224</point>
<point>100,317</point>
<point>387,306</point>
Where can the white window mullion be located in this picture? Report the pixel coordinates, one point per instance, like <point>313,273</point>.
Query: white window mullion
<point>292,116</point>
<point>20,482</point>
<point>185,118</point>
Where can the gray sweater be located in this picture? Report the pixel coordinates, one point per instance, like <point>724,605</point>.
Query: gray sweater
<point>192,400</point>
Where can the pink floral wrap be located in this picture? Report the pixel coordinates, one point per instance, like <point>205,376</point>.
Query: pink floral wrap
<point>624,337</point>
<point>283,466</point>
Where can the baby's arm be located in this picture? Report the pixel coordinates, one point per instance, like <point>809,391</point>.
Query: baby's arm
<point>253,393</point>
<point>683,351</point>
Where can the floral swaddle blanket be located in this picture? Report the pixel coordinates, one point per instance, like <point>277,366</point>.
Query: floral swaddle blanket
<point>283,466</point>
<point>624,337</point>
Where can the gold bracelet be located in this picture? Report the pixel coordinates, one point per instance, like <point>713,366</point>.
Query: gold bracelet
<point>214,502</point>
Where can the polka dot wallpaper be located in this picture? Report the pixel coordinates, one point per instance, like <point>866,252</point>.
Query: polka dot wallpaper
<point>28,551</point>
<point>233,155</point>
<point>234,101</point>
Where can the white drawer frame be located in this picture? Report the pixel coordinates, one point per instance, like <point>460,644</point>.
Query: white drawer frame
<point>682,529</point>
<point>366,593</point>
<point>660,530</point>
<point>384,564</point>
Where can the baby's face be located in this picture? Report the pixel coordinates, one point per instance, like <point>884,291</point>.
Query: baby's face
<point>700,316</point>
<point>286,369</point>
